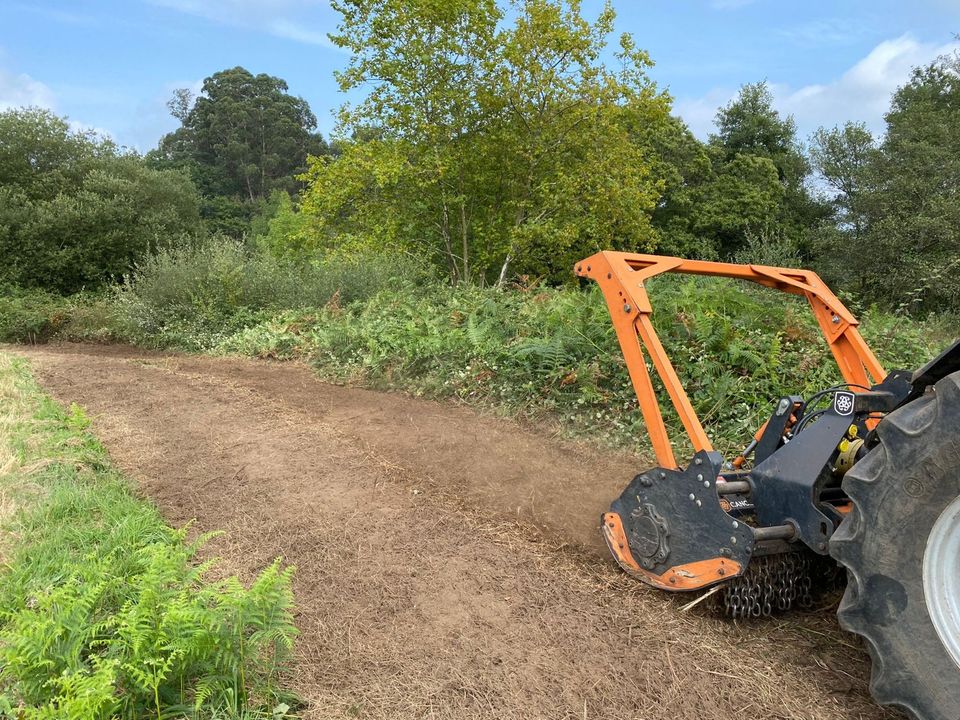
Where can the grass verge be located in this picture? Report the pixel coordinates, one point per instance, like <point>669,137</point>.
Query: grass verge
<point>104,611</point>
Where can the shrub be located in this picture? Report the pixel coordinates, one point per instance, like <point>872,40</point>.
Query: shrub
<point>75,211</point>
<point>37,316</point>
<point>193,297</point>
<point>552,353</point>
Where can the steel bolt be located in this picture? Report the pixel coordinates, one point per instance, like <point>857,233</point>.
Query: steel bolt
<point>735,524</point>
<point>698,461</point>
<point>700,478</point>
<point>692,496</point>
<point>733,540</point>
<point>706,483</point>
<point>627,308</point>
<point>699,503</point>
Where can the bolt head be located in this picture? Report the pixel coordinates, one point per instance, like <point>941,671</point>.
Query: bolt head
<point>627,308</point>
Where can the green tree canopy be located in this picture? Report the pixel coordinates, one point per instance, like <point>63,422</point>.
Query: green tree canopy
<point>243,136</point>
<point>895,233</point>
<point>498,147</point>
<point>74,210</point>
<point>750,126</point>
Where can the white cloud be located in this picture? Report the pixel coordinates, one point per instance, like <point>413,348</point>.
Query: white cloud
<point>22,90</point>
<point>277,17</point>
<point>699,112</point>
<point>861,94</point>
<point>287,29</point>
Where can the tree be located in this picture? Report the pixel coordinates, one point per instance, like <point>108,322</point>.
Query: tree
<point>490,147</point>
<point>750,126</point>
<point>895,232</point>
<point>914,213</point>
<point>75,211</point>
<point>844,157</point>
<point>241,138</point>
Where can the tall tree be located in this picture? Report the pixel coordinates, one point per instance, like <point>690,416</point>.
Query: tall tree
<point>243,136</point>
<point>750,126</point>
<point>500,147</point>
<point>844,159</point>
<point>914,234</point>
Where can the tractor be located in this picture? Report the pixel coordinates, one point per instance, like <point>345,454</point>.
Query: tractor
<point>864,476</point>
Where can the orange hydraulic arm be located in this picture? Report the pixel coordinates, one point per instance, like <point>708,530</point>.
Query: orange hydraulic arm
<point>621,277</point>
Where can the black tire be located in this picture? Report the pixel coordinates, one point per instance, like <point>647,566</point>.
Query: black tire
<point>899,490</point>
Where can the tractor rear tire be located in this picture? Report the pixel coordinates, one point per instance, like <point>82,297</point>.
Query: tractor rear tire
<point>899,544</point>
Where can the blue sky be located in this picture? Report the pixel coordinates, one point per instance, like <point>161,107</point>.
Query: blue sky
<point>112,64</point>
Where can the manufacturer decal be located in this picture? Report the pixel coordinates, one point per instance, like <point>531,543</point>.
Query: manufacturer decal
<point>843,403</point>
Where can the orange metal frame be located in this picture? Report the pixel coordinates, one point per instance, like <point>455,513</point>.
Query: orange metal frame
<point>621,277</point>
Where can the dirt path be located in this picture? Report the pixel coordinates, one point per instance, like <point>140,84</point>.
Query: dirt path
<point>448,564</point>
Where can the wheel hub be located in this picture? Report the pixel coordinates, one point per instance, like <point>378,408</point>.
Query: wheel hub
<point>941,578</point>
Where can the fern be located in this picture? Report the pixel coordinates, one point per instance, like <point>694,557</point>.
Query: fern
<point>104,614</point>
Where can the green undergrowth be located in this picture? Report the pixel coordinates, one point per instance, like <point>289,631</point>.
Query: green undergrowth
<point>105,611</point>
<point>552,354</point>
<point>543,354</point>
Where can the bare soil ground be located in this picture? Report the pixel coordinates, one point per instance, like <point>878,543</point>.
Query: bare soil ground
<point>448,563</point>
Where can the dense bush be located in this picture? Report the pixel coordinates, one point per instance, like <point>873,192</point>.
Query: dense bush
<point>103,611</point>
<point>37,316</point>
<point>75,211</point>
<point>552,354</point>
<point>543,353</point>
<point>193,297</point>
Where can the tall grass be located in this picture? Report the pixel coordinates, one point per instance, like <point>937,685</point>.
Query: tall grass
<point>545,353</point>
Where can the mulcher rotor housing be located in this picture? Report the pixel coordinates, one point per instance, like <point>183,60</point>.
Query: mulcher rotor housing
<point>759,528</point>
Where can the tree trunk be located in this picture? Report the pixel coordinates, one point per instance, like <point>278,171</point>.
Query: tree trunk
<point>445,233</point>
<point>503,271</point>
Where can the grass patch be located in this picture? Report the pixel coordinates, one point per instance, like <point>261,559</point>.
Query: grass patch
<point>104,612</point>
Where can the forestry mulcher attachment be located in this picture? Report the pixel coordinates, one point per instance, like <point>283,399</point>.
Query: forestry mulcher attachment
<point>866,473</point>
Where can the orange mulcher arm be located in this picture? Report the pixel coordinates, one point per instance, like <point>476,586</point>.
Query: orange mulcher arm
<point>621,277</point>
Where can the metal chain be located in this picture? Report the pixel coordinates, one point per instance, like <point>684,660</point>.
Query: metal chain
<point>771,583</point>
